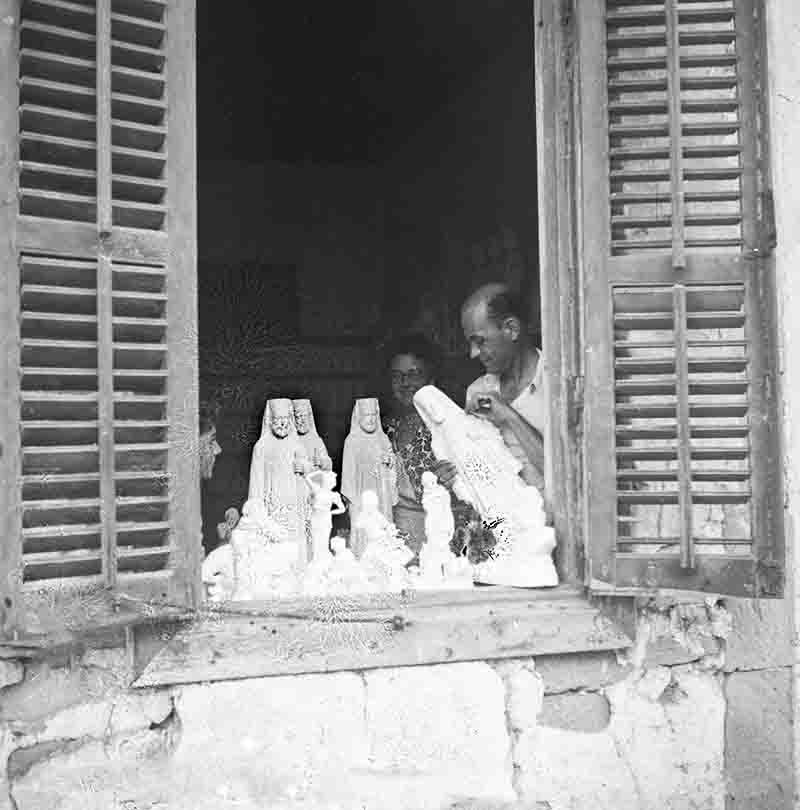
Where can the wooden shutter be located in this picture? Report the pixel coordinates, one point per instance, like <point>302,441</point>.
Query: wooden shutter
<point>682,470</point>
<point>98,249</point>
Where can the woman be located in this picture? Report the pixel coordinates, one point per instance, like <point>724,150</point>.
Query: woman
<point>412,361</point>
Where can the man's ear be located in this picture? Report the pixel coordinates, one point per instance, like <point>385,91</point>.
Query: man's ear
<point>513,327</point>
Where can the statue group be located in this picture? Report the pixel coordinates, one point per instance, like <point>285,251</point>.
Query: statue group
<point>282,543</point>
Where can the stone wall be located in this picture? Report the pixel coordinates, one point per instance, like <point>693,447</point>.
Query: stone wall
<point>681,722</point>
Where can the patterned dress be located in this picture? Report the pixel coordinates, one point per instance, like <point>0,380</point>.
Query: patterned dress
<point>411,442</point>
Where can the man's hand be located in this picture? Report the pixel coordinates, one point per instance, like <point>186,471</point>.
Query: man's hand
<point>446,472</point>
<point>489,406</point>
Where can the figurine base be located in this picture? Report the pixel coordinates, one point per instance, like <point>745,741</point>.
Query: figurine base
<point>539,573</point>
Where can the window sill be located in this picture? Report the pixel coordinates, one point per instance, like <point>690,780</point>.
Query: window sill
<point>289,637</point>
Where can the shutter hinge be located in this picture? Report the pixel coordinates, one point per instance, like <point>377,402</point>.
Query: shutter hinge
<point>767,229</point>
<point>770,579</point>
<point>575,399</point>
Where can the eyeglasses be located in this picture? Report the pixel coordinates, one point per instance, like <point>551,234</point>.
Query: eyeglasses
<point>413,376</point>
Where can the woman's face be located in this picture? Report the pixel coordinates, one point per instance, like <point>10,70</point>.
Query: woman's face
<point>409,374</point>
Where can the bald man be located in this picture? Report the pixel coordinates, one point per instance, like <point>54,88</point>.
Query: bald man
<point>510,394</point>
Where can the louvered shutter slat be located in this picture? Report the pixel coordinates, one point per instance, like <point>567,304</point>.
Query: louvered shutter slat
<point>676,398</point>
<point>105,374</point>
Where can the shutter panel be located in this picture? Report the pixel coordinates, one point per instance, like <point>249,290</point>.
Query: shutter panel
<point>682,486</point>
<point>100,463</point>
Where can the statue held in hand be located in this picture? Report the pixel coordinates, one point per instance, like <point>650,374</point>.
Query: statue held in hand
<point>367,464</point>
<point>488,478</point>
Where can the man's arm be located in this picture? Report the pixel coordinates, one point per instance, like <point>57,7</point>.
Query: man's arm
<point>489,406</point>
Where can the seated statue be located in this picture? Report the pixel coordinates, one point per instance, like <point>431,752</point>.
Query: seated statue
<point>367,465</point>
<point>488,478</point>
<point>385,554</point>
<point>265,560</point>
<point>307,432</point>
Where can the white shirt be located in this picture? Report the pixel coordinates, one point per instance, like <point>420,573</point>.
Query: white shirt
<point>529,404</point>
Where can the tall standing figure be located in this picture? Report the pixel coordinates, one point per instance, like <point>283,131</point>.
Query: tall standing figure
<point>307,431</point>
<point>367,464</point>
<point>277,472</point>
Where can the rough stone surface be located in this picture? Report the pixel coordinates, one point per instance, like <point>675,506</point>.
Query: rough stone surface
<point>11,672</point>
<point>564,673</point>
<point>758,740</point>
<point>671,739</point>
<point>582,711</point>
<point>524,693</point>
<point>761,634</point>
<point>663,748</point>
<point>441,731</point>
<point>47,690</point>
<point>272,736</point>
<point>139,711</point>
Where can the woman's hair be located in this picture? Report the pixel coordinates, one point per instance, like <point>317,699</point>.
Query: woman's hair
<point>416,344</point>
<point>209,411</point>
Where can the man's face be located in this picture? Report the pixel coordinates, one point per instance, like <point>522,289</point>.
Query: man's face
<point>209,450</point>
<point>280,425</point>
<point>493,345</point>
<point>301,419</point>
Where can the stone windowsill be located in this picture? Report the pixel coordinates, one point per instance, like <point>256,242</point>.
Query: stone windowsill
<point>256,639</point>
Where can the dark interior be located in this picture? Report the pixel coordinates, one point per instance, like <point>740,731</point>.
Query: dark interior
<point>362,166</point>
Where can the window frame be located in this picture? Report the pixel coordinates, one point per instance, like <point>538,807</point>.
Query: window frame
<point>431,628</point>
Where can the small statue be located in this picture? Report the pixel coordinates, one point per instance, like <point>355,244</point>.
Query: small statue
<point>325,503</point>
<point>438,566</point>
<point>367,465</point>
<point>277,472</point>
<point>225,528</point>
<point>488,478</point>
<point>265,560</point>
<point>307,432</point>
<point>385,555</point>
<point>217,574</point>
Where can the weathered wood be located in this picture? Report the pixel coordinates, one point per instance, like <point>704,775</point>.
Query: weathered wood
<point>558,281</point>
<point>598,450</point>
<point>103,135</point>
<point>10,455</point>
<point>399,631</point>
<point>183,384</point>
<point>675,135</point>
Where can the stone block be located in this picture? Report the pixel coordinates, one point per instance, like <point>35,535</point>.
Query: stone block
<point>11,672</point>
<point>565,673</point>
<point>524,692</point>
<point>758,740</point>
<point>761,634</point>
<point>571,770</point>
<point>46,690</point>
<point>579,711</point>
<point>140,710</point>
<point>441,730</point>
<point>272,737</point>
<point>669,730</point>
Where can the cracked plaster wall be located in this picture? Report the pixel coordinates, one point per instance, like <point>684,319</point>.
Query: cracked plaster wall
<point>641,731</point>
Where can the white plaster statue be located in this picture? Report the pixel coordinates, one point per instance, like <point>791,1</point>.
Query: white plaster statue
<point>325,503</point>
<point>385,554</point>
<point>488,478</point>
<point>265,560</point>
<point>277,473</point>
<point>367,464</point>
<point>438,566</point>
<point>217,574</point>
<point>310,439</point>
